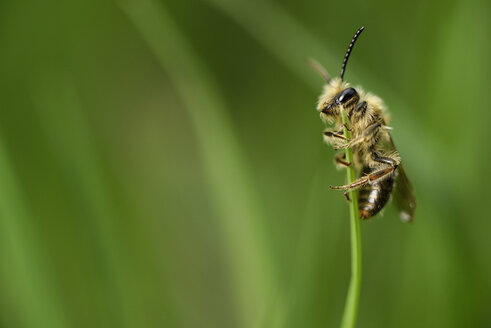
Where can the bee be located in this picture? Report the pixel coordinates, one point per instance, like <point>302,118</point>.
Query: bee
<point>375,156</point>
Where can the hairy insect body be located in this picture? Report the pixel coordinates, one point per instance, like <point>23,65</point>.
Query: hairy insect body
<point>374,153</point>
<point>370,140</point>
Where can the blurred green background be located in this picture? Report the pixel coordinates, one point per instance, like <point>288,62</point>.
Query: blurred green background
<point>161,164</point>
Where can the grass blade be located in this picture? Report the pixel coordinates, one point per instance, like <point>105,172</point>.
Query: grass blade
<point>353,298</point>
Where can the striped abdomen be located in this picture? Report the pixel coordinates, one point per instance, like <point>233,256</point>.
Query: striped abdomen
<point>373,197</point>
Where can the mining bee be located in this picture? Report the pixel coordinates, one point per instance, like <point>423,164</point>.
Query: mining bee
<point>375,156</point>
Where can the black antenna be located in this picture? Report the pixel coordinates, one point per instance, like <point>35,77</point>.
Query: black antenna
<point>350,47</point>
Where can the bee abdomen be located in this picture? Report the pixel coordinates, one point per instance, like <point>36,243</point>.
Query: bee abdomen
<point>372,198</point>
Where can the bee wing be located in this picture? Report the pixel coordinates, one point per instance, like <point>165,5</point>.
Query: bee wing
<point>402,194</point>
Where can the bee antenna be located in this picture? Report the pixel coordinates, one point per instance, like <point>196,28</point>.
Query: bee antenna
<point>350,47</point>
<point>319,69</point>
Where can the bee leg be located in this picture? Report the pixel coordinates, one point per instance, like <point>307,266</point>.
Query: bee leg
<point>377,175</point>
<point>366,135</point>
<point>341,160</point>
<point>381,159</point>
<point>346,194</point>
<point>356,184</point>
<point>334,134</point>
<point>386,160</point>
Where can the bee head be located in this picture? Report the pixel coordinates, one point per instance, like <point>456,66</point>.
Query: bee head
<point>327,105</point>
<point>335,95</point>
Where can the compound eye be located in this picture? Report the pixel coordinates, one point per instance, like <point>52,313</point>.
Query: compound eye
<point>346,95</point>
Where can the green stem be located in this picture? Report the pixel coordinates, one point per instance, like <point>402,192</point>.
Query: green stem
<point>352,300</point>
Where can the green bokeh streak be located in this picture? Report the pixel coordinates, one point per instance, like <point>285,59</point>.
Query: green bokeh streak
<point>28,288</point>
<point>224,165</point>
<point>73,142</point>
